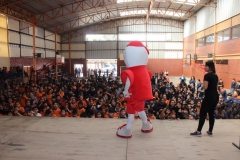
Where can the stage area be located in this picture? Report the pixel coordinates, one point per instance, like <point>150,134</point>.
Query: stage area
<point>34,138</point>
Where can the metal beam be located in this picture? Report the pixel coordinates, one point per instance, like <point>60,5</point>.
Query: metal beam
<point>149,10</point>
<point>15,12</point>
<point>103,17</point>
<point>121,23</point>
<point>83,7</point>
<point>34,49</point>
<point>13,3</point>
<point>44,4</point>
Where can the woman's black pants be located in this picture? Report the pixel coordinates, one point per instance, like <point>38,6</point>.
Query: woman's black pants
<point>208,106</point>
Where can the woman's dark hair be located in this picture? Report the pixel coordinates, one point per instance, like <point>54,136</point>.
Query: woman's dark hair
<point>211,66</point>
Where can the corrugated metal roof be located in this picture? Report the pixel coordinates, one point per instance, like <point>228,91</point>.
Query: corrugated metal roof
<point>58,12</point>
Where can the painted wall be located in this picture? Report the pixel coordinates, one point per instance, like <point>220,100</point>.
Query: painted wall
<point>173,66</point>
<point>225,72</point>
<point>4,54</point>
<point>29,61</point>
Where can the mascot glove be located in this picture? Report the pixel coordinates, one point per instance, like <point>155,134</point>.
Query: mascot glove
<point>127,94</point>
<point>127,86</point>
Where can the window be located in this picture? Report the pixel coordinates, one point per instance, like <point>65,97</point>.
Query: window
<point>159,36</point>
<point>236,32</point>
<point>220,37</point>
<point>199,61</point>
<point>210,39</point>
<point>131,37</point>
<point>201,42</point>
<point>101,37</point>
<point>222,61</point>
<point>224,35</point>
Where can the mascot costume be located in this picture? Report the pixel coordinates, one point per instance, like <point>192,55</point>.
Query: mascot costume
<point>137,87</point>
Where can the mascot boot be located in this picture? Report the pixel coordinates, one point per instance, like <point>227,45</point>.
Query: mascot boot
<point>146,128</point>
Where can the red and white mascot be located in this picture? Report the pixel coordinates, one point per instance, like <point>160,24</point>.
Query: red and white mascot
<point>137,80</point>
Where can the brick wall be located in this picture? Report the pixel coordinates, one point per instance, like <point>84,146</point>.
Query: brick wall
<point>174,66</point>
<point>228,47</point>
<point>14,62</point>
<point>188,45</point>
<point>225,72</point>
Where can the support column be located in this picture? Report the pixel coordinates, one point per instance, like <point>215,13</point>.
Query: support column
<point>34,49</point>
<point>118,57</point>
<point>70,53</point>
<point>195,35</point>
<point>215,35</point>
<point>195,45</point>
<point>56,64</point>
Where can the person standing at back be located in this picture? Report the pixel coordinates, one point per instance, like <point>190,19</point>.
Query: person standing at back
<point>210,85</point>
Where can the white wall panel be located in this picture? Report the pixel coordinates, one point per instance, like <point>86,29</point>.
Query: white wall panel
<point>77,54</point>
<point>58,46</point>
<point>30,30</point>
<point>107,31</point>
<point>180,55</point>
<point>132,28</point>
<point>101,54</point>
<point>101,45</point>
<point>156,54</point>
<point>50,53</point>
<point>123,44</point>
<point>174,45</point>
<point>40,50</point>
<point>26,51</point>
<point>227,9</point>
<point>79,38</point>
<point>58,38</point>
<point>13,37</point>
<point>26,40</point>
<point>155,45</point>
<point>173,55</point>
<point>65,47</point>
<point>24,28</point>
<point>189,27</point>
<point>177,36</point>
<point>65,54</point>
<point>49,44</point>
<point>40,42</point>
<point>157,28</point>
<point>120,51</point>
<point>205,18</point>
<point>79,46</point>
<point>39,32</point>
<point>49,35</point>
<point>14,51</point>
<point>13,24</point>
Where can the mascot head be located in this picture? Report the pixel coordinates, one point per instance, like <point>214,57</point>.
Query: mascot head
<point>135,54</point>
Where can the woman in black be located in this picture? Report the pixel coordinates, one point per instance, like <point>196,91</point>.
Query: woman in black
<point>210,84</point>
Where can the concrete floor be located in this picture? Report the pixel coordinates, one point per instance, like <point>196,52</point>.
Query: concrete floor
<point>34,138</point>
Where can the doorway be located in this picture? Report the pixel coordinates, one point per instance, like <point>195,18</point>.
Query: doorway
<point>78,70</point>
<point>106,66</point>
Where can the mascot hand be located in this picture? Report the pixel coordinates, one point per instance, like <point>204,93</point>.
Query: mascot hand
<point>127,94</point>
<point>127,86</point>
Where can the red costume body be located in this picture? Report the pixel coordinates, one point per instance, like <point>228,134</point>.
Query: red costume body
<point>140,87</point>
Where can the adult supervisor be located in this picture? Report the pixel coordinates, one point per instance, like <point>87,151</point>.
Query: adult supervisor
<point>210,100</point>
